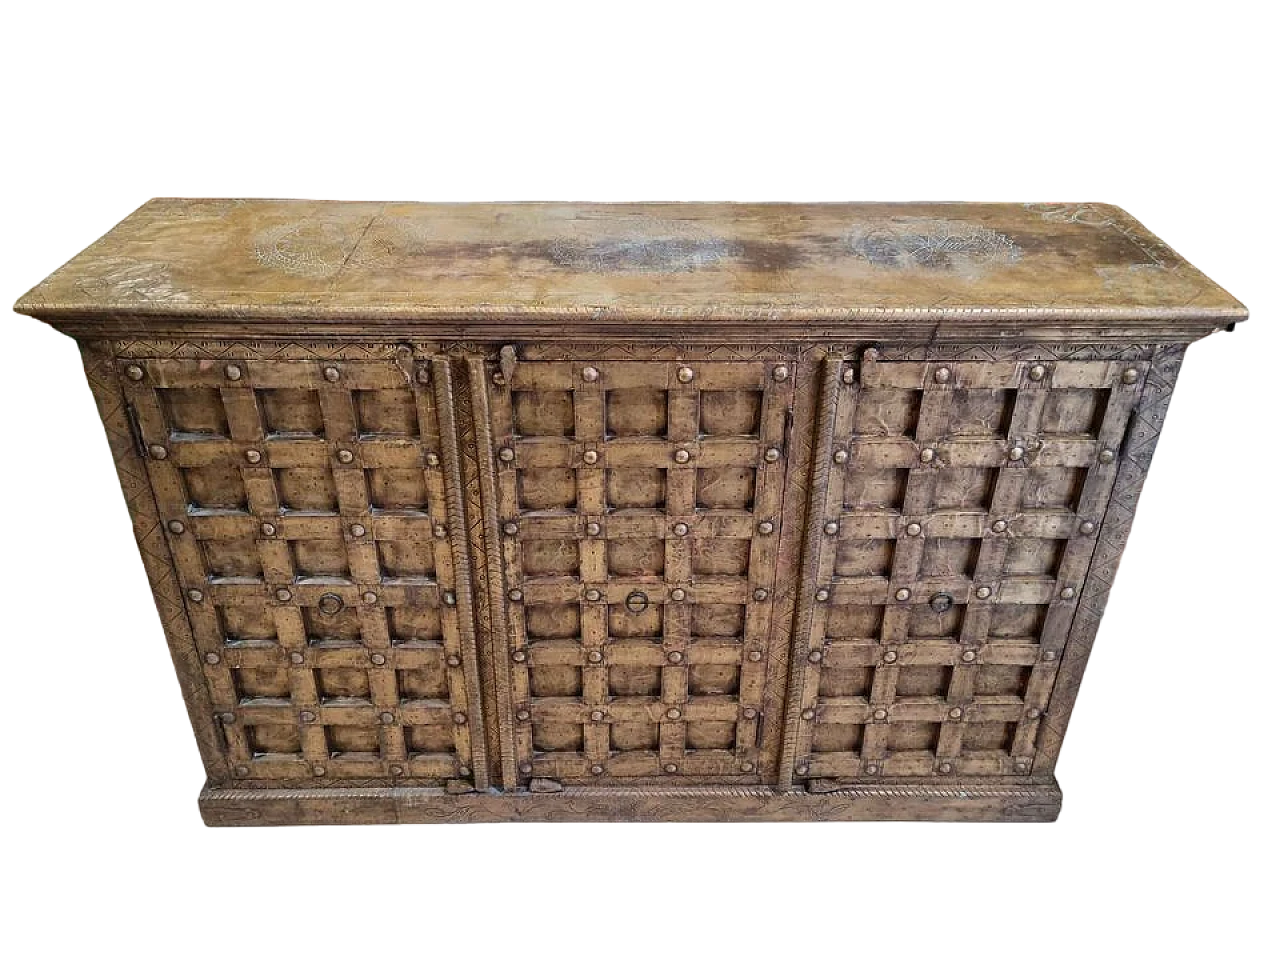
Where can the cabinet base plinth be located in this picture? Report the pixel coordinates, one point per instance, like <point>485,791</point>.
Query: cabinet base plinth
<point>235,807</point>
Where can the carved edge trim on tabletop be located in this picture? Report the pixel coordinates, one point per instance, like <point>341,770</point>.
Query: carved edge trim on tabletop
<point>442,383</point>
<point>157,560</point>
<point>1139,448</point>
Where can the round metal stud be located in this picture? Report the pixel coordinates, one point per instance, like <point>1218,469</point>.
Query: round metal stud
<point>332,374</point>
<point>591,456</point>
<point>297,658</point>
<point>177,526</point>
<point>439,531</point>
<point>1000,526</point>
<point>515,596</point>
<point>377,659</point>
<point>453,660</point>
<point>823,595</point>
<point>941,602</point>
<point>268,529</point>
<point>242,771</point>
<point>685,375</point>
<point>1106,456</point>
<point>871,354</point>
<point>318,771</point>
<point>330,604</point>
<point>927,455</point>
<point>596,769</point>
<point>880,715</point>
<point>873,768</point>
<point>134,372</point>
<point>675,656</point>
<point>671,768</point>
<point>969,656</point>
<point>358,530</point>
<point>780,373</point>
<point>765,526</point>
<point>1022,766</point>
<point>593,595</point>
<point>982,593</point>
<point>306,716</point>
<point>955,713</point>
<point>815,656</point>
<point>523,715</point>
<point>506,454</point>
<point>590,374</point>
<point>902,594</point>
<point>1017,453</point>
<point>945,768</point>
<point>233,372</point>
<point>808,713</point>
<point>253,456</point>
<point>749,713</point>
<point>387,717</point>
<point>433,459</point>
<point>772,455</point>
<point>526,768</point>
<point>747,766</point>
<point>1088,527</point>
<point>760,593</point>
<point>681,456</point>
<point>597,715</point>
<point>678,594</point>
<point>1050,656</point>
<point>593,529</point>
<point>157,452</point>
<point>891,656</point>
<point>1037,372</point>
<point>369,597</point>
<point>802,769</point>
<point>450,598</point>
<point>195,595</point>
<point>464,771</point>
<point>460,719</point>
<point>346,456</point>
<point>424,374</point>
<point>1129,376</point>
<point>840,456</point>
<point>680,529</point>
<point>914,529</point>
<point>1033,714</point>
<point>942,375</point>
<point>212,658</point>
<point>595,656</point>
<point>846,375</point>
<point>1067,593</point>
<point>283,595</point>
<point>831,528</point>
<point>755,656</point>
<point>397,770</point>
<point>510,529</point>
<point>227,717</point>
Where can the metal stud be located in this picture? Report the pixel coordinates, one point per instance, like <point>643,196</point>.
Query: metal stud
<point>233,372</point>
<point>377,659</point>
<point>306,716</point>
<point>519,656</point>
<point>157,452</point>
<point>242,771</point>
<point>268,529</point>
<point>460,719</point>
<point>914,529</point>
<point>1033,714</point>
<point>397,770</point>
<point>808,713</point>
<point>670,768</point>
<point>846,375</point>
<point>515,596</point>
<point>330,604</point>
<point>765,526</point>
<point>945,768</point>
<point>227,717</point>
<point>678,594</point>
<point>212,658</point>
<point>453,660</point>
<point>873,768</point>
<point>593,529</point>
<point>424,374</point>
<point>596,769</point>
<point>591,456</point>
<point>134,372</point>
<point>1050,656</point>
<point>815,656</point>
<point>802,769</point>
<point>346,456</point>
<point>283,595</point>
<point>780,373</point>
<point>1017,453</point>
<point>685,374</point>
<point>1021,766</point>
<point>772,455</point>
<point>927,455</point>
<point>749,713</point>
<point>747,766</point>
<point>680,529</point>
<point>681,456</point>
<point>831,528</point>
<point>590,374</point>
<point>510,528</point>
<point>177,526</point>
<point>253,456</point>
<point>983,593</point>
<point>1037,372</point>
<point>597,715</point>
<point>526,768</point>
<point>955,713</point>
<point>195,595</point>
<point>358,530</point>
<point>880,714</point>
<point>942,375</point>
<point>523,715</point>
<point>1130,375</point>
<point>840,456</point>
<point>506,454</point>
<point>450,598</point>
<point>969,656</point>
<point>593,595</point>
<point>433,459</point>
<point>1088,527</point>
<point>675,656</point>
<point>903,594</point>
<point>332,374</point>
<point>822,595</point>
<point>760,593</point>
<point>755,656</point>
<point>595,656</point>
<point>1106,456</point>
<point>890,656</point>
<point>387,717</point>
<point>297,658</point>
<point>1067,593</point>
<point>1000,526</point>
<point>439,531</point>
<point>318,771</point>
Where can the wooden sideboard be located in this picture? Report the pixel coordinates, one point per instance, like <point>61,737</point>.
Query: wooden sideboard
<point>461,512</point>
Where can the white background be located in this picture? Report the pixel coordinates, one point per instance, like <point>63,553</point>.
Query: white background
<point>1166,843</point>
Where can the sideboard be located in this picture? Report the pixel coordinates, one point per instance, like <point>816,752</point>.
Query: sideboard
<point>465,512</point>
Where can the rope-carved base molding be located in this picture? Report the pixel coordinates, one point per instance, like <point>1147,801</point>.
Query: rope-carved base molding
<point>1013,803</point>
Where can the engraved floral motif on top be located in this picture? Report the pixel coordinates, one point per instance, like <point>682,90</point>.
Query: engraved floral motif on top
<point>934,246</point>
<point>316,248</point>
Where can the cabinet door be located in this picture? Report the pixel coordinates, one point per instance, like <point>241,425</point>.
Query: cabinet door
<point>312,512</point>
<point>959,504</point>
<point>639,510</point>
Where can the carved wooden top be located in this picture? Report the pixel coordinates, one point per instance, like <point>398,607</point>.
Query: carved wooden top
<point>322,261</point>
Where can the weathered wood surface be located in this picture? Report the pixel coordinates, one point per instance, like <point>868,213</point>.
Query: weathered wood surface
<point>407,577</point>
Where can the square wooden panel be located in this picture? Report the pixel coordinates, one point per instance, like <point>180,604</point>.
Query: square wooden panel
<point>306,509</point>
<point>639,510</point>
<point>958,522</point>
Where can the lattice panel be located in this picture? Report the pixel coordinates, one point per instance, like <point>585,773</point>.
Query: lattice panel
<point>640,512</point>
<point>957,525</point>
<point>307,508</point>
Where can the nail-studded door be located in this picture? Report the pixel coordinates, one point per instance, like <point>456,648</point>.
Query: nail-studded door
<point>639,508</point>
